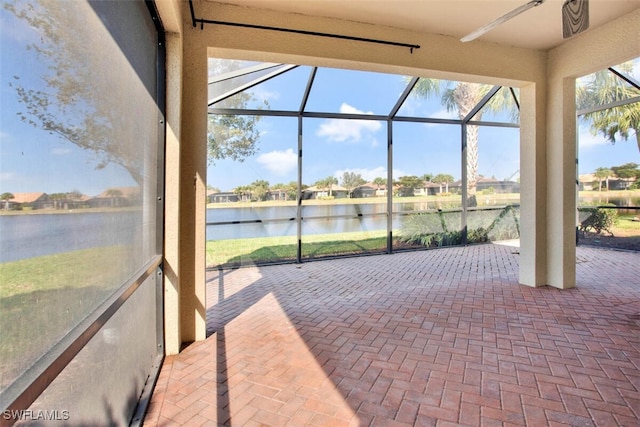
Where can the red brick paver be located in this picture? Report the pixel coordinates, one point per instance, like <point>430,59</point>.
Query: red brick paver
<point>442,337</point>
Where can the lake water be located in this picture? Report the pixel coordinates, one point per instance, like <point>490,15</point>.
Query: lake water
<point>30,235</point>
<point>256,221</point>
<point>604,199</point>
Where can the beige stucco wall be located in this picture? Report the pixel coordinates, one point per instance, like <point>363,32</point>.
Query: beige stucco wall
<point>193,182</point>
<point>172,22</point>
<point>171,264</point>
<point>438,56</point>
<point>547,253</point>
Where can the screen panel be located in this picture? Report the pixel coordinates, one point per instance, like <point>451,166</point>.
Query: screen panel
<point>81,137</point>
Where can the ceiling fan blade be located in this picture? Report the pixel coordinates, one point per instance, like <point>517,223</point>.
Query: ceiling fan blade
<point>490,26</point>
<point>575,17</point>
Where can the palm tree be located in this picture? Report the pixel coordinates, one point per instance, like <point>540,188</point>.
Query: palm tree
<point>259,189</point>
<point>243,191</point>
<point>114,194</point>
<point>58,199</point>
<point>379,182</point>
<point>407,185</point>
<point>602,88</point>
<point>5,197</point>
<point>352,180</point>
<point>327,184</point>
<point>428,177</point>
<point>463,97</point>
<point>602,174</point>
<point>443,178</point>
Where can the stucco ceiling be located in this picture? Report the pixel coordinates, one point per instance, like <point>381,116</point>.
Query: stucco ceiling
<point>537,28</point>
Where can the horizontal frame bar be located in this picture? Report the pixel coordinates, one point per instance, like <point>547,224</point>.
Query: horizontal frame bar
<point>308,218</point>
<point>201,21</point>
<point>342,116</point>
<point>614,104</point>
<point>610,207</point>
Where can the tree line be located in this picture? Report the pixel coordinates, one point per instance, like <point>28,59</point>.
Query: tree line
<point>404,186</point>
<point>626,171</point>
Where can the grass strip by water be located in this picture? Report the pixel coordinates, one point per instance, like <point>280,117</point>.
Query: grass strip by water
<point>88,267</point>
<point>42,298</point>
<point>234,252</point>
<point>627,225</point>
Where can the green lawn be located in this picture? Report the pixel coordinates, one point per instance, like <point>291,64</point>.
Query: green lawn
<point>626,225</point>
<point>43,298</point>
<point>88,267</point>
<point>246,251</point>
<point>55,292</point>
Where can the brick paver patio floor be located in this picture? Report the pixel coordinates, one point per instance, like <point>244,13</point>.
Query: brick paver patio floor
<point>441,337</point>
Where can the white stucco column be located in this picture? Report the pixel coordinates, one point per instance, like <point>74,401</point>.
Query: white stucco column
<point>561,184</point>
<point>533,185</point>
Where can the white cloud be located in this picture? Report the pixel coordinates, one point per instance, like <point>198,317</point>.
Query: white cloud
<point>341,130</point>
<point>636,68</point>
<point>7,176</point>
<point>279,162</point>
<point>587,140</point>
<point>267,95</point>
<point>366,174</point>
<point>60,151</point>
<point>370,174</point>
<point>411,106</point>
<point>443,113</point>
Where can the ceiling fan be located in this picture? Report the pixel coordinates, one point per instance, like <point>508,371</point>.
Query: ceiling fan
<point>575,18</point>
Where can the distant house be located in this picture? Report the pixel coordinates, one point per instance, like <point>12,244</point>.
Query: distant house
<point>620,183</point>
<point>315,192</point>
<point>497,185</point>
<point>484,183</point>
<point>115,197</point>
<point>365,190</point>
<point>429,189</point>
<point>589,182</point>
<point>37,200</point>
<point>223,197</point>
<point>277,195</point>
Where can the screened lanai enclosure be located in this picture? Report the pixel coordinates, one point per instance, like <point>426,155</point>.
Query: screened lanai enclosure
<point>608,110</point>
<point>308,162</point>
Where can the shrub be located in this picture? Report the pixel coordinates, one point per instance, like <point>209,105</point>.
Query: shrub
<point>424,229</point>
<point>489,190</point>
<point>435,229</point>
<point>599,219</point>
<point>477,235</point>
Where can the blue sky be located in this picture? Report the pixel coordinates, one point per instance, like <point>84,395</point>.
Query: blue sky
<point>333,146</point>
<point>33,160</point>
